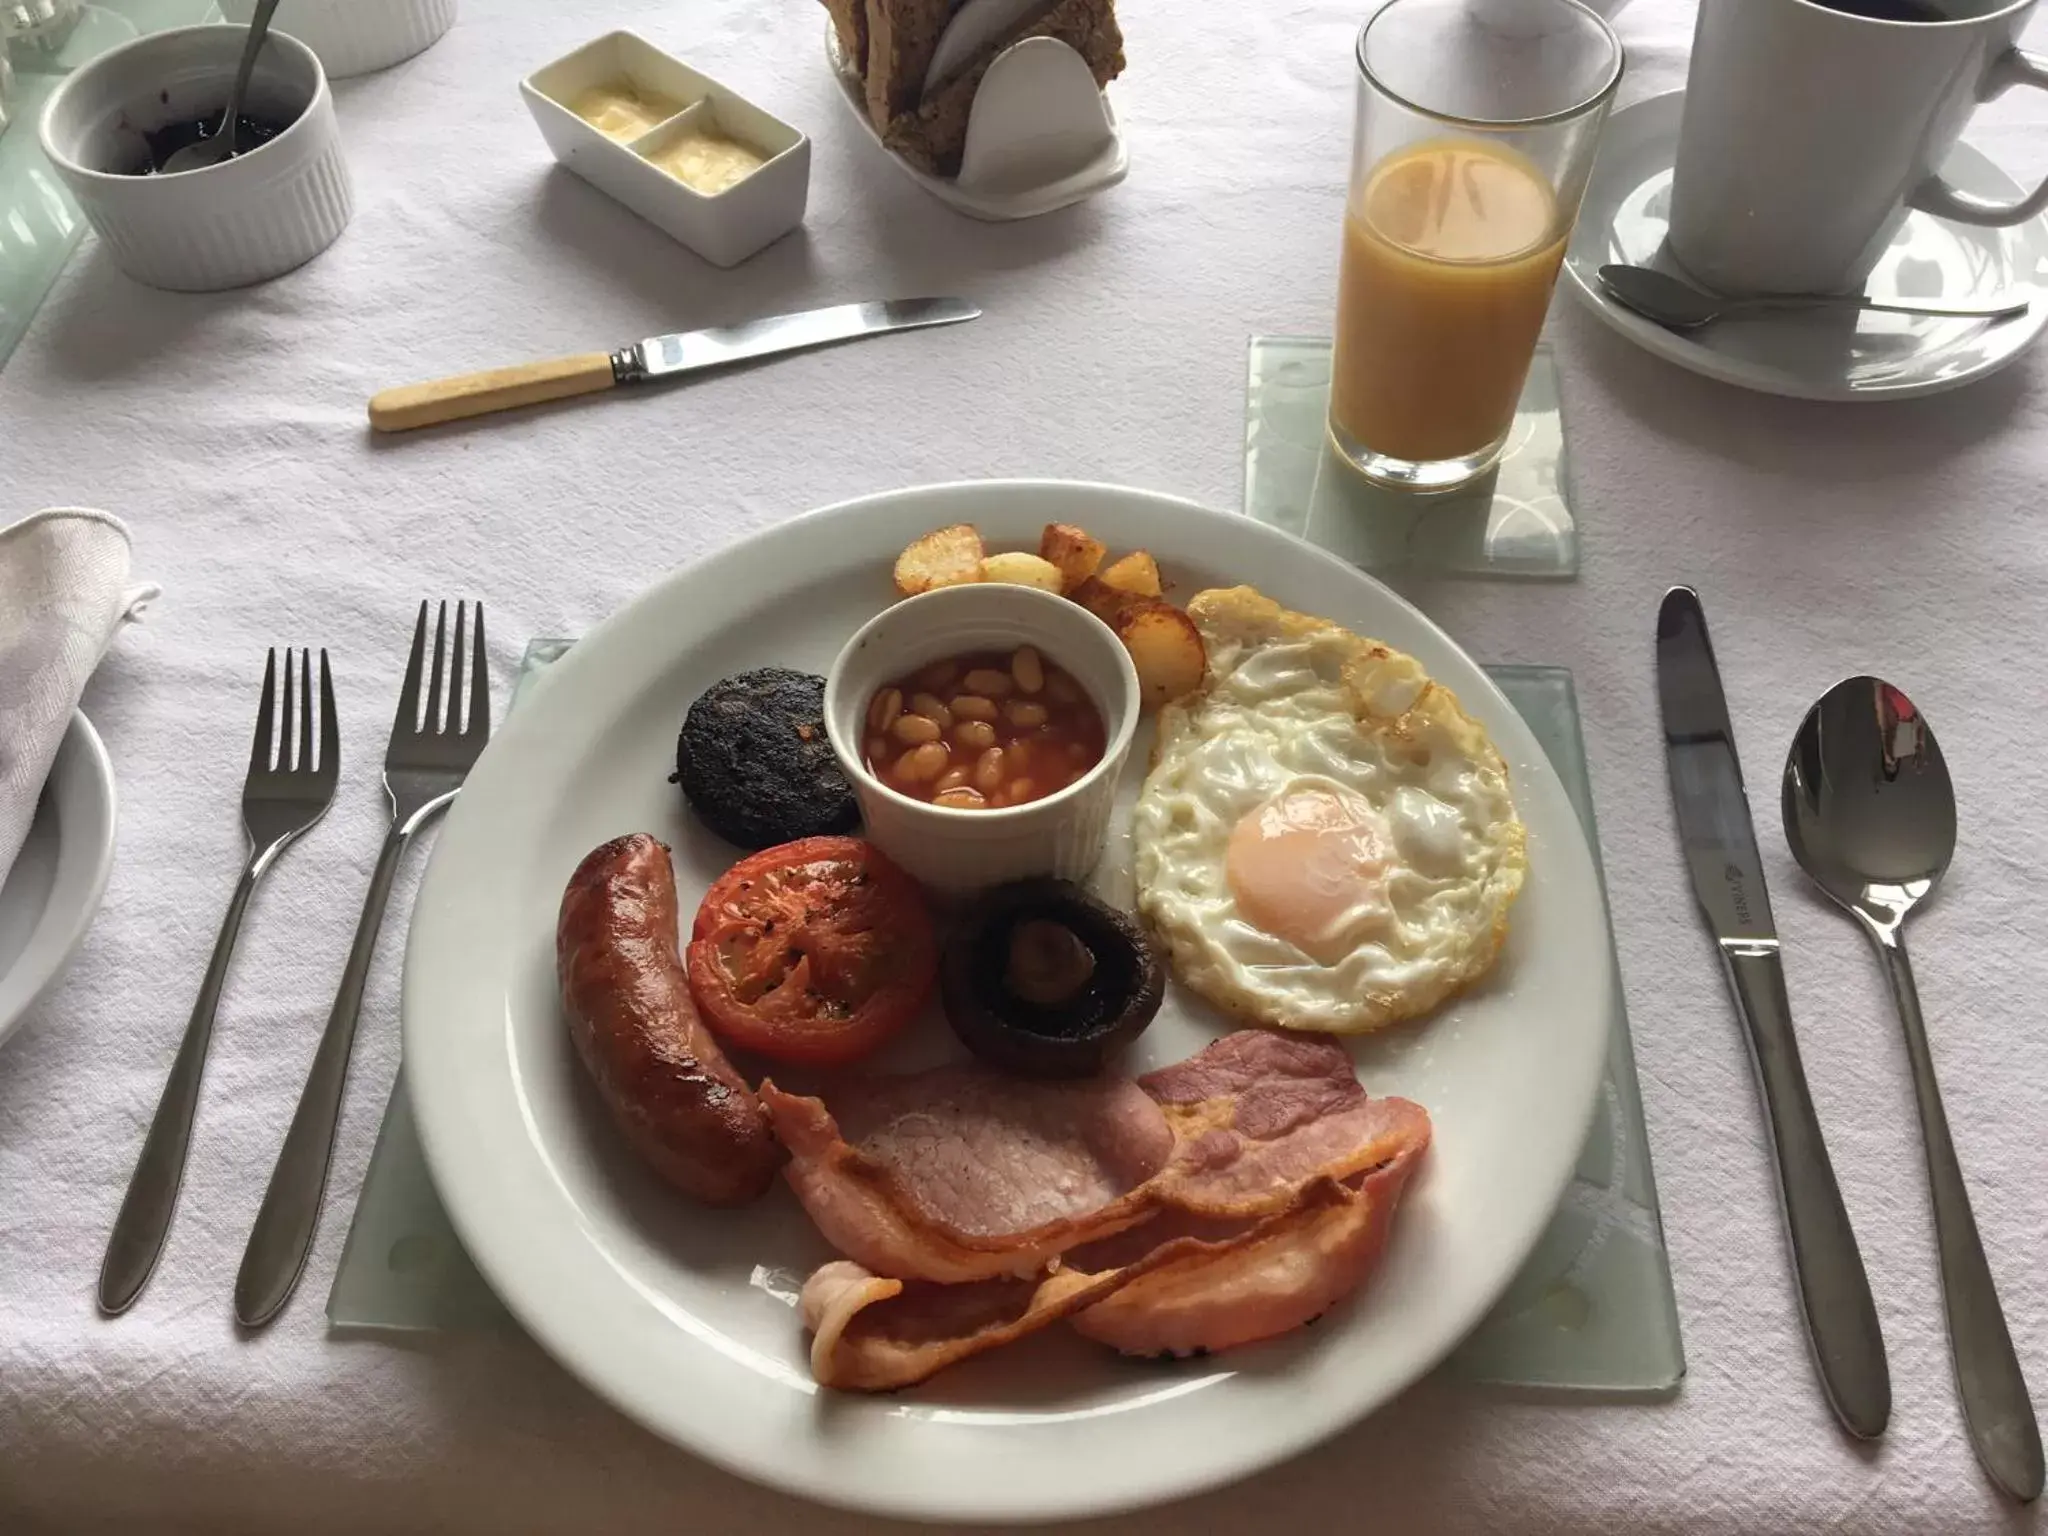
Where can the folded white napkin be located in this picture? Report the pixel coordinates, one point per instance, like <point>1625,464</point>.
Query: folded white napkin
<point>64,590</point>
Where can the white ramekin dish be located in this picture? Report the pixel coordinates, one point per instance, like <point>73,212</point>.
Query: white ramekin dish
<point>956,851</point>
<point>724,228</point>
<point>250,218</point>
<point>356,37</point>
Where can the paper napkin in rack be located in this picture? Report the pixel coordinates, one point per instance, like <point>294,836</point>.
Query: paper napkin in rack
<point>64,590</point>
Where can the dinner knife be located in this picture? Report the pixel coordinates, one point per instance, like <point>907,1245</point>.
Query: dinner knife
<point>658,357</point>
<point>1719,841</point>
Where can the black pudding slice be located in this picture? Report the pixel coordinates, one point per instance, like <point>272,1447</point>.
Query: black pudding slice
<point>755,764</point>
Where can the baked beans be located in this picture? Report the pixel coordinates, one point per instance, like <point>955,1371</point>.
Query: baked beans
<point>983,731</point>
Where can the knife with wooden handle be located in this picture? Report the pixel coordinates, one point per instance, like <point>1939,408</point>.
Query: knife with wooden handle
<point>658,357</point>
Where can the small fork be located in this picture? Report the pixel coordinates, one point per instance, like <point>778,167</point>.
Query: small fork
<point>280,800</point>
<point>423,768</point>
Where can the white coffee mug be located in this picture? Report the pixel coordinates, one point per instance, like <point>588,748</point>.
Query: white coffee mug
<point>1810,131</point>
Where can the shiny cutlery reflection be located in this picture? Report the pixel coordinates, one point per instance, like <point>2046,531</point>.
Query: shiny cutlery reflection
<point>1678,306</point>
<point>222,146</point>
<point>658,357</point>
<point>290,783</point>
<point>1871,816</point>
<point>431,752</point>
<point>1719,842</point>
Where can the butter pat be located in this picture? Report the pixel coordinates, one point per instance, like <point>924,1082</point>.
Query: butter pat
<point>706,161</point>
<point>618,109</point>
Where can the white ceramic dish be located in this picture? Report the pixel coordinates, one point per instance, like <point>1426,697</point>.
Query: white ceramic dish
<point>1859,357</point>
<point>1008,135</point>
<point>963,850</point>
<point>257,216</point>
<point>356,37</point>
<point>684,1318</point>
<point>725,228</point>
<point>49,896</point>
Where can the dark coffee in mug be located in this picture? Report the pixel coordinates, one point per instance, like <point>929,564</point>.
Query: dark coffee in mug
<point>1888,10</point>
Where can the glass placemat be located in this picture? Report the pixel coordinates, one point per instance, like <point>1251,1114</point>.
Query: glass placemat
<point>39,223</point>
<point>1515,521</point>
<point>1591,1312</point>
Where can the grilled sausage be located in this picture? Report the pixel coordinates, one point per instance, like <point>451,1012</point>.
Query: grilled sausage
<point>669,1087</point>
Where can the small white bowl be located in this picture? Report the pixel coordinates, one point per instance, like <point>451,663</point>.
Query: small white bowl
<point>724,228</point>
<point>356,37</point>
<point>250,218</point>
<point>955,851</point>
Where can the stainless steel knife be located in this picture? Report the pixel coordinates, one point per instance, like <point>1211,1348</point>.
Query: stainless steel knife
<point>1719,840</point>
<point>658,357</point>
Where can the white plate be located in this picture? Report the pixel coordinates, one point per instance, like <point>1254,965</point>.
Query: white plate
<point>48,898</point>
<point>683,1318</point>
<point>1859,357</point>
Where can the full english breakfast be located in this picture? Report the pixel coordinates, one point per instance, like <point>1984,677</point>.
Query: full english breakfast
<point>1323,842</point>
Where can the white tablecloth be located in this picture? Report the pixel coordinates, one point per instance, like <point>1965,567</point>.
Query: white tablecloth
<point>228,430</point>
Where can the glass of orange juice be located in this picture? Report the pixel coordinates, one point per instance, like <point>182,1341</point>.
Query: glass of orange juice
<point>1477,121</point>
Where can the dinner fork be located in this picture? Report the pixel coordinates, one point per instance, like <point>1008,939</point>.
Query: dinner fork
<point>283,795</point>
<point>423,768</point>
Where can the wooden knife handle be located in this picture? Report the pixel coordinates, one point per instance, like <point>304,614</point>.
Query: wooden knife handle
<point>495,389</point>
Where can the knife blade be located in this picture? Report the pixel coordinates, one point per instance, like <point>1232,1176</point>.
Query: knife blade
<point>658,357</point>
<point>1718,837</point>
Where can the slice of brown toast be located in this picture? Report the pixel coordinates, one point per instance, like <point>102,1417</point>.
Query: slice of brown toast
<point>931,136</point>
<point>902,37</point>
<point>850,21</point>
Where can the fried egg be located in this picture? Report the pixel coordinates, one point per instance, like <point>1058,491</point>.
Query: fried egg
<point>1326,839</point>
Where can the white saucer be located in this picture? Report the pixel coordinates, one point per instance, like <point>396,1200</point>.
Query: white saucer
<point>50,895</point>
<point>1837,357</point>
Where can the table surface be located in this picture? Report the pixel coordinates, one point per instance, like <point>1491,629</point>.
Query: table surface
<point>1899,539</point>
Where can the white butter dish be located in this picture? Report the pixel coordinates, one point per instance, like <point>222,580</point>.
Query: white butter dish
<point>725,227</point>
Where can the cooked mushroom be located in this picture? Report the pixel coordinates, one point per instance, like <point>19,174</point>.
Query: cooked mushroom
<point>1042,979</point>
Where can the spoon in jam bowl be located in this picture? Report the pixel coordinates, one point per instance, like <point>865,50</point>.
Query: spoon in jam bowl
<point>1678,306</point>
<point>221,145</point>
<point>1871,816</point>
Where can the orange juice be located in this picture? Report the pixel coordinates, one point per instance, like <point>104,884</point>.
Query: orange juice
<point>1450,252</point>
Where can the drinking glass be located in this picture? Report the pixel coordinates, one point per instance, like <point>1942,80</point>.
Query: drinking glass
<point>1476,126</point>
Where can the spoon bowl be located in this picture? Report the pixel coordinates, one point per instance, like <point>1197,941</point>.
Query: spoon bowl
<point>1870,810</point>
<point>1870,813</point>
<point>221,146</point>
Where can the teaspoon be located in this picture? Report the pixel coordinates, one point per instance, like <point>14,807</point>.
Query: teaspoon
<point>1679,306</point>
<point>196,157</point>
<point>1871,816</point>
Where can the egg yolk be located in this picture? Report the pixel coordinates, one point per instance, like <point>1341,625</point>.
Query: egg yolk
<point>1309,865</point>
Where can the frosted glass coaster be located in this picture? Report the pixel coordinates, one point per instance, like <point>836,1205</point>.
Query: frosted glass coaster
<point>1514,521</point>
<point>1591,1313</point>
<point>39,223</point>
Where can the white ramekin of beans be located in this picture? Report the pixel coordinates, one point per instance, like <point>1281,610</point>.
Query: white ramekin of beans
<point>984,729</point>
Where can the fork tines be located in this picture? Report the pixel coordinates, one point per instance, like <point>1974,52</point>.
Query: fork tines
<point>458,692</point>
<point>285,740</point>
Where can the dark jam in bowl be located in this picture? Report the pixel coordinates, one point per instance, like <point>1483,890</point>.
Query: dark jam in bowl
<point>166,141</point>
